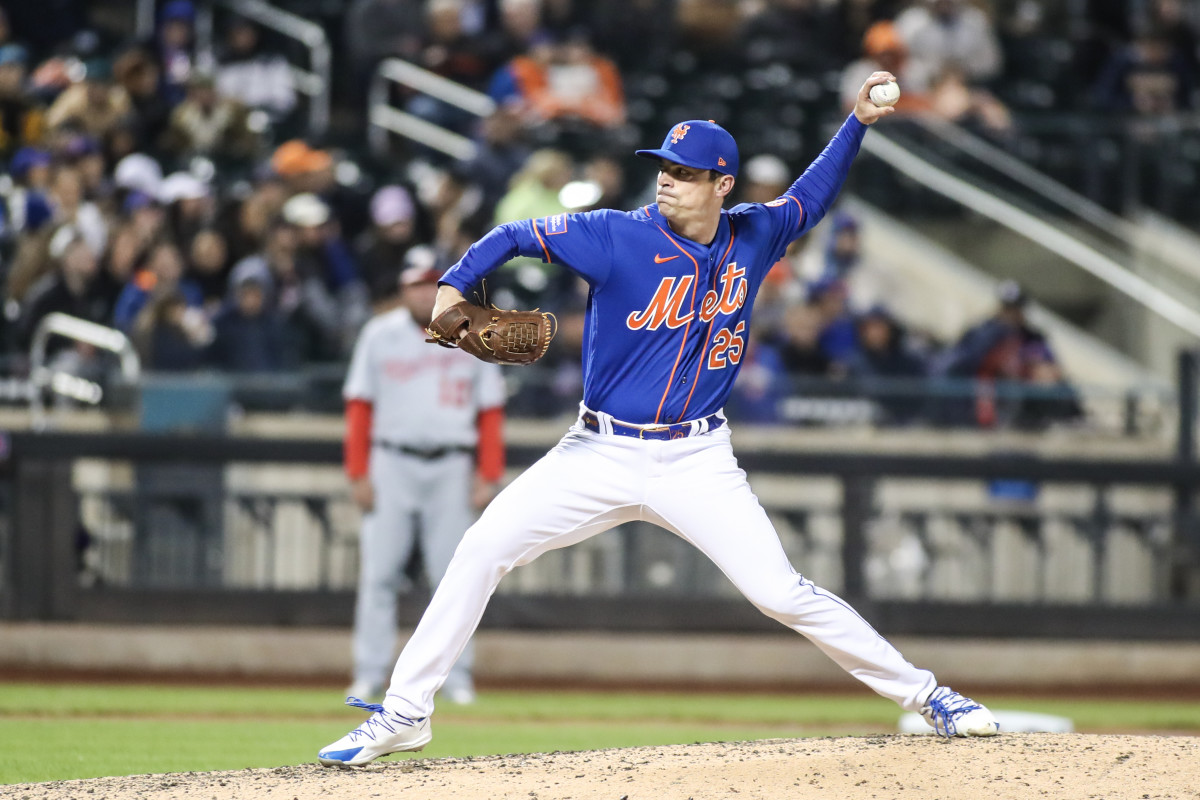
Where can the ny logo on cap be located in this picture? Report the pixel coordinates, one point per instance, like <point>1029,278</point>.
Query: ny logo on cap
<point>679,133</point>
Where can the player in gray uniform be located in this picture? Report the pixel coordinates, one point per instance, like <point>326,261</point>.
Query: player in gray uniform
<point>415,416</point>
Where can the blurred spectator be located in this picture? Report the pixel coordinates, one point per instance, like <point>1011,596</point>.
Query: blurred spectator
<point>83,153</point>
<point>138,74</point>
<point>146,217</point>
<point>208,266</point>
<point>249,335</point>
<point>21,117</point>
<point>322,253</point>
<point>1047,397</point>
<point>210,125</point>
<point>168,335</point>
<point>175,46</point>
<point>838,337</point>
<point>92,104</point>
<point>450,51</point>
<point>999,354</point>
<point>138,172</point>
<point>562,81</point>
<point>69,206</point>
<point>764,178</point>
<point>298,164</point>
<point>308,311</point>
<point>163,274</point>
<point>843,249</point>
<point>1147,77</point>
<point>886,368</point>
<point>798,343</point>
<point>246,223</point>
<point>68,288</point>
<point>189,203</point>
<point>950,35</point>
<point>304,169</point>
<point>381,249</point>
<point>28,206</point>
<point>126,250</point>
<point>254,77</point>
<point>521,26</point>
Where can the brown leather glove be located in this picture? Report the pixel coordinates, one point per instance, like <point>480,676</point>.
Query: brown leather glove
<point>494,335</point>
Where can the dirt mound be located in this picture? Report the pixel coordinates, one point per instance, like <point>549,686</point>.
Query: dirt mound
<point>1009,766</point>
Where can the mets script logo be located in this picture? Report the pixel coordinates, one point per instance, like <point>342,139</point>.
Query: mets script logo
<point>679,133</point>
<point>667,305</point>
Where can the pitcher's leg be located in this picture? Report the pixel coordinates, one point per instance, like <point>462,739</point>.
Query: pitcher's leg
<point>574,492</point>
<point>706,500</point>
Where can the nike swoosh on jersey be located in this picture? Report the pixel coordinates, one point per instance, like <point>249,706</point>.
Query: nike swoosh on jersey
<point>658,259</point>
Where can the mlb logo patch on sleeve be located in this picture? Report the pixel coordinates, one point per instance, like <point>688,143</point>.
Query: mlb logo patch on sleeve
<point>555,224</point>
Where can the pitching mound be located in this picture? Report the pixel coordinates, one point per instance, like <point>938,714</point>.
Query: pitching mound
<point>919,767</point>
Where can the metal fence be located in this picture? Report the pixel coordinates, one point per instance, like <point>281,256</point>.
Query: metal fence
<point>216,529</point>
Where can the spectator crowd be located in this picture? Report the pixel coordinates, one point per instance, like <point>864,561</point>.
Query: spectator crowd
<point>174,193</point>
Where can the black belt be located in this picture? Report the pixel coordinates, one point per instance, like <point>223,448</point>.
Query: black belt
<point>679,430</point>
<point>426,453</point>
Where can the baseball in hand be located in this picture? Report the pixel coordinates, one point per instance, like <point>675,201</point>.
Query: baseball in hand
<point>885,94</point>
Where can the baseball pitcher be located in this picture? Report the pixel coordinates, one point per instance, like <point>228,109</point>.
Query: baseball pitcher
<point>672,286</point>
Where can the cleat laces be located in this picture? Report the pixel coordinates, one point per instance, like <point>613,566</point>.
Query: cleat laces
<point>381,720</point>
<point>945,707</point>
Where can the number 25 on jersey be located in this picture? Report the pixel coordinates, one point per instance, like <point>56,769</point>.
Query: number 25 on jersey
<point>727,347</point>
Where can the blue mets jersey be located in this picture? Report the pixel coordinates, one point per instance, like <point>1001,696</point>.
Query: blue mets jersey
<point>667,318</point>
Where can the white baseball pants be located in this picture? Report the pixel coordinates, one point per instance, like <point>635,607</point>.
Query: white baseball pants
<point>693,487</point>
<point>434,494</point>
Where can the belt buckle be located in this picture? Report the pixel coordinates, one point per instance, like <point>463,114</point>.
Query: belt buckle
<point>654,429</point>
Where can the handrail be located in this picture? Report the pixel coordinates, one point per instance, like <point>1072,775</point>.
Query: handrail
<point>1032,179</point>
<point>1120,278</point>
<point>317,81</point>
<point>383,117</point>
<point>59,324</point>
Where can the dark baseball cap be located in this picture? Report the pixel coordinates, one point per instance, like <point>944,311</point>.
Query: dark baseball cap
<point>698,143</point>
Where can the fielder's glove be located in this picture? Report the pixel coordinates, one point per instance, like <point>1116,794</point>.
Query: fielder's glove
<point>494,335</point>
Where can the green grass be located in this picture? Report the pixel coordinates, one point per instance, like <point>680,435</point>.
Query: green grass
<point>60,731</point>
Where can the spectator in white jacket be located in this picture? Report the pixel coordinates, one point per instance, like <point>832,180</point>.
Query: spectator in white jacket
<point>950,36</point>
<point>256,78</point>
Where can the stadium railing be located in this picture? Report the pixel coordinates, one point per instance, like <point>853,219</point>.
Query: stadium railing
<point>216,529</point>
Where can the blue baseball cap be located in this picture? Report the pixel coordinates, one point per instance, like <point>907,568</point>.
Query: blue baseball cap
<point>698,143</point>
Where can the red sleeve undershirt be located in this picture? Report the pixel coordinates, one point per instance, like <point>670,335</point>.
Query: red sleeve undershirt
<point>489,457</point>
<point>357,450</point>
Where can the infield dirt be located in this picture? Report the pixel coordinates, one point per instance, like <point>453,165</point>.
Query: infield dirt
<point>849,768</point>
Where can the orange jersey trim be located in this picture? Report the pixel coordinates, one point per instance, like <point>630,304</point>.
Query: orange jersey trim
<point>797,202</point>
<point>711,322</point>
<point>688,327</point>
<point>541,241</point>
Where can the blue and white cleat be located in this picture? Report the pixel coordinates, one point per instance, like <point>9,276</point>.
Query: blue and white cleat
<point>385,732</point>
<point>951,714</point>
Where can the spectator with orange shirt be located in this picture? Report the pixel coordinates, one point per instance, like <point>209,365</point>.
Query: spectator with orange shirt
<point>563,81</point>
